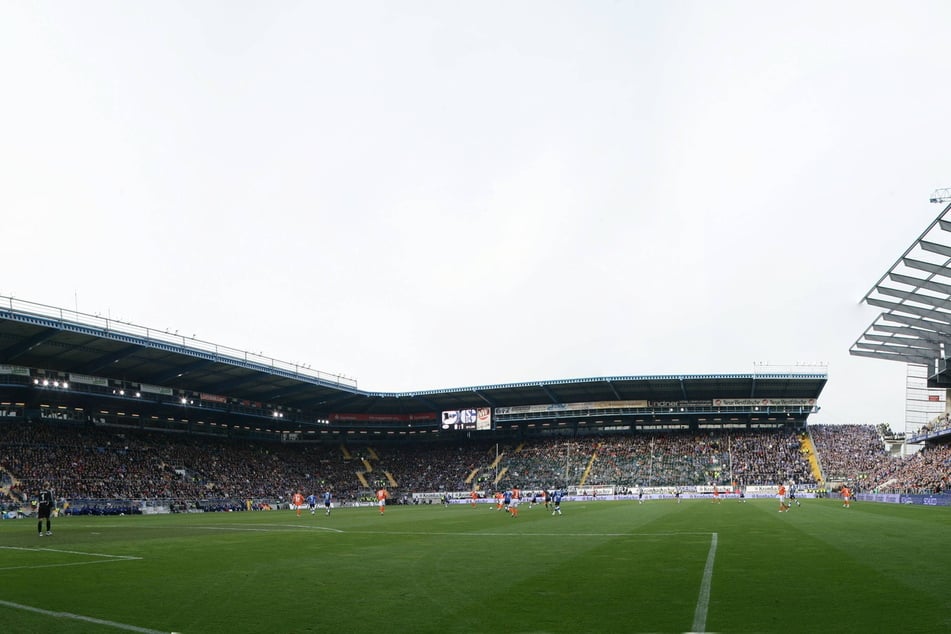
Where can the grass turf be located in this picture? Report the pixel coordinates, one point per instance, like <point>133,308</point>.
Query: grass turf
<point>599,567</point>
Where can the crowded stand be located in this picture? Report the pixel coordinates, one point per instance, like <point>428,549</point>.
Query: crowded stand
<point>851,453</point>
<point>856,454</point>
<point>941,422</point>
<point>924,472</point>
<point>109,470</point>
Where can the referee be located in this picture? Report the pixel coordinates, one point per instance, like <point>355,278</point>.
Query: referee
<point>44,510</point>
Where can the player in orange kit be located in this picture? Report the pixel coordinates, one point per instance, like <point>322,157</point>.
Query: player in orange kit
<point>781,496</point>
<point>846,497</point>
<point>381,497</point>
<point>513,504</point>
<point>298,501</point>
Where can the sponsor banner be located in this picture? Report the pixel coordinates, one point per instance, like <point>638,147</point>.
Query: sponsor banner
<point>213,398</point>
<point>722,489</point>
<point>763,402</point>
<point>891,498</point>
<point>615,404</point>
<point>155,389</point>
<point>14,369</point>
<point>563,407</point>
<point>595,491</point>
<point>927,500</point>
<point>88,380</point>
<point>428,496</point>
<point>380,418</point>
<point>528,409</point>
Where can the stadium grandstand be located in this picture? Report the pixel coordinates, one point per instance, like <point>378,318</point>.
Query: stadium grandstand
<point>114,373</point>
<point>125,418</point>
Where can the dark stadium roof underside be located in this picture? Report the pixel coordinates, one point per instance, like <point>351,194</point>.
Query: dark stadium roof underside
<point>62,345</point>
<point>915,298</point>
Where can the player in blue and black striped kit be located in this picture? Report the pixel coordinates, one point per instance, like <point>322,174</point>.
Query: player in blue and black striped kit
<point>328,498</point>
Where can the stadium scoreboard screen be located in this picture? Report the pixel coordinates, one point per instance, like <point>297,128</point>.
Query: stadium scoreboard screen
<point>478,418</point>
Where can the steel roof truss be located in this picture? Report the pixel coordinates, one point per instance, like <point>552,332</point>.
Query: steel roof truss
<point>937,287</point>
<point>26,345</point>
<point>903,350</point>
<point>934,247</point>
<point>918,322</point>
<point>929,313</point>
<point>907,331</point>
<point>937,302</point>
<point>928,267</point>
<point>894,356</point>
<point>902,341</point>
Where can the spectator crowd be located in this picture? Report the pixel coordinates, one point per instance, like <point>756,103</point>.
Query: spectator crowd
<point>95,463</point>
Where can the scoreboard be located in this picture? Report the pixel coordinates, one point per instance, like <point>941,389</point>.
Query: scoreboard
<point>479,418</point>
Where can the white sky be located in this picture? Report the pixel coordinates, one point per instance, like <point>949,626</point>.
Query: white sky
<point>440,194</point>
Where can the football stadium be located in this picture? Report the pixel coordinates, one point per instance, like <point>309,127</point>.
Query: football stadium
<point>580,317</point>
<point>158,483</point>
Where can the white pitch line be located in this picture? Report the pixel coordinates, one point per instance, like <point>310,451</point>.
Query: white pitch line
<point>80,617</point>
<point>234,528</point>
<point>496,534</point>
<point>268,530</point>
<point>440,534</point>
<point>75,552</point>
<point>103,558</point>
<point>75,563</point>
<point>306,528</point>
<point>703,601</point>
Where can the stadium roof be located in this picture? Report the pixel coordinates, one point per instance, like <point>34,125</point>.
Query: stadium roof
<point>39,336</point>
<point>915,297</point>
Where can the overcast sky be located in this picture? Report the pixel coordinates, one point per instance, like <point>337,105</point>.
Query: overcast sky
<point>425,195</point>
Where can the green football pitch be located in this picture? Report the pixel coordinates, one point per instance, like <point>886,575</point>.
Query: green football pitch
<point>599,567</point>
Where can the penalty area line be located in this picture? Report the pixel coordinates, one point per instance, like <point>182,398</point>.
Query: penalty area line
<point>101,558</point>
<point>79,617</point>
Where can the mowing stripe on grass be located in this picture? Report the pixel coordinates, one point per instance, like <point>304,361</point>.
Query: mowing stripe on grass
<point>703,601</point>
<point>80,617</point>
